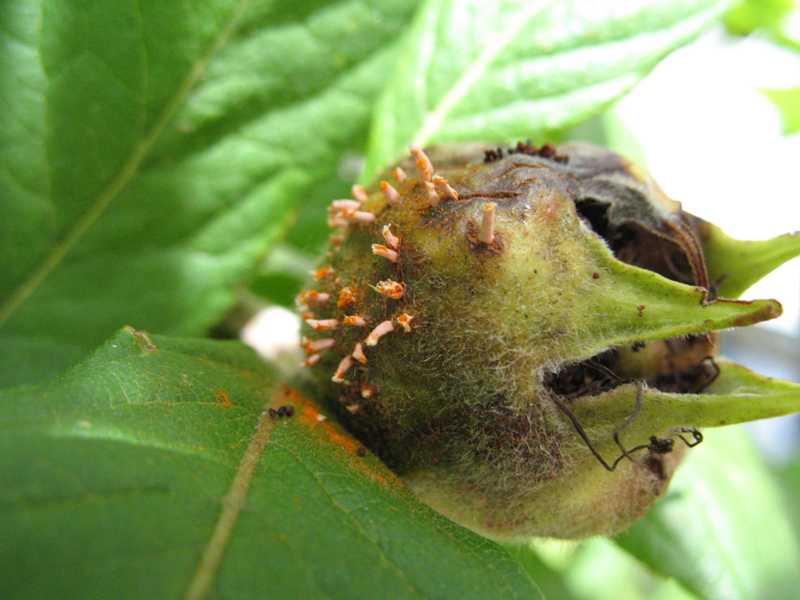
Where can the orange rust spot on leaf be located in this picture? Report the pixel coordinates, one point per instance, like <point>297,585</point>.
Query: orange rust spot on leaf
<point>223,400</point>
<point>310,417</point>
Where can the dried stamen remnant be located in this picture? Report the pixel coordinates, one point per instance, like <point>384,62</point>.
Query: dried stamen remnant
<point>342,369</point>
<point>359,216</point>
<point>354,321</point>
<point>336,220</point>
<point>404,320</point>
<point>311,360</point>
<point>359,193</point>
<point>387,253</point>
<point>391,289</point>
<point>322,273</point>
<point>313,298</point>
<point>347,297</point>
<point>345,205</point>
<point>424,165</point>
<point>486,235</point>
<point>376,334</point>
<point>316,346</point>
<point>392,195</point>
<point>323,324</point>
<point>399,175</point>
<point>391,240</point>
<point>444,189</point>
<point>358,354</point>
<point>347,211</point>
<point>430,193</point>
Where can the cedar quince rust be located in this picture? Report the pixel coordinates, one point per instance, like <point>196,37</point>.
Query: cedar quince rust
<point>496,324</point>
<point>310,417</point>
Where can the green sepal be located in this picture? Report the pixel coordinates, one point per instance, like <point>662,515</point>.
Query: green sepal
<point>627,304</point>
<point>737,264</point>
<point>738,395</point>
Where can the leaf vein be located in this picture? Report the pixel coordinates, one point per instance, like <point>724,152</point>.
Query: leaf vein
<point>357,525</point>
<point>433,120</point>
<point>119,182</point>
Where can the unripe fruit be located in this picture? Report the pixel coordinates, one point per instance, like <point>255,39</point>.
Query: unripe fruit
<point>498,324</point>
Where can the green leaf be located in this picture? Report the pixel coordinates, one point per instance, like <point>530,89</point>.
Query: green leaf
<point>509,69</point>
<point>548,580</point>
<point>722,531</point>
<point>601,570</point>
<point>788,102</point>
<point>789,479</point>
<point>283,274</point>
<point>746,16</point>
<point>152,152</point>
<point>152,470</point>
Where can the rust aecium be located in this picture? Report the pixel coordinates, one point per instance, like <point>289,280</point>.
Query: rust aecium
<point>527,335</point>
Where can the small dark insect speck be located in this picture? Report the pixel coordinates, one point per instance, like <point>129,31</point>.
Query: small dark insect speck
<point>637,346</point>
<point>361,451</point>
<point>595,275</point>
<point>287,410</point>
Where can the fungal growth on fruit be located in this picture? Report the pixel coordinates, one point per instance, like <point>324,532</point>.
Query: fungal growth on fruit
<point>527,335</point>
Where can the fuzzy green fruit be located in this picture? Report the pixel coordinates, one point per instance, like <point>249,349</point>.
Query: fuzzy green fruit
<point>490,329</point>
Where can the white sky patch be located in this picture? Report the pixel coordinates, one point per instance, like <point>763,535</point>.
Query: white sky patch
<point>274,333</point>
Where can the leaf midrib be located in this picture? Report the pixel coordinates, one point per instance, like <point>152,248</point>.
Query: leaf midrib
<point>434,119</point>
<point>232,504</point>
<point>121,180</point>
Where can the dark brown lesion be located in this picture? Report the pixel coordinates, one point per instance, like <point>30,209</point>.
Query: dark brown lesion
<point>672,249</point>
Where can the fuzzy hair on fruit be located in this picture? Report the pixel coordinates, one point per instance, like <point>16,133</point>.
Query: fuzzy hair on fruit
<point>505,322</point>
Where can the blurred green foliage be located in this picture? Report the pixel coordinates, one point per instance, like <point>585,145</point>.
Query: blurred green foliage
<point>788,103</point>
